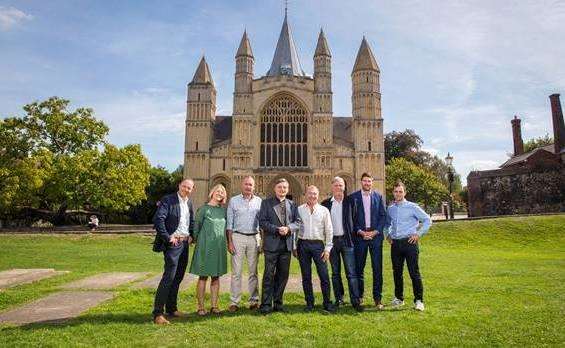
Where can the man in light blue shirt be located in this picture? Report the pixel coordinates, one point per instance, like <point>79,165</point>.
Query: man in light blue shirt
<point>406,224</point>
<point>242,230</point>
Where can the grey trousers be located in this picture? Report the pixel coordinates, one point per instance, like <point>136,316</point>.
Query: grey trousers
<point>245,247</point>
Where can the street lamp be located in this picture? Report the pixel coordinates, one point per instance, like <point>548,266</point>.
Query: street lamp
<point>449,162</point>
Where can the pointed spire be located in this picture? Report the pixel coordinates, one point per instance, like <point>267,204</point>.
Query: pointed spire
<point>285,60</point>
<point>322,48</point>
<point>365,59</point>
<point>244,47</point>
<point>202,74</point>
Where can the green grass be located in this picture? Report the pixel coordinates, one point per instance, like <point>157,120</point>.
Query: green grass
<point>487,283</point>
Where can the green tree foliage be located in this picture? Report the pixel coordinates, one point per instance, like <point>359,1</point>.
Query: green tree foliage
<point>422,186</point>
<point>408,145</point>
<point>535,143</point>
<point>57,159</point>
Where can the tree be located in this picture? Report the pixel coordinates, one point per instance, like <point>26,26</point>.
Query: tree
<point>52,159</point>
<point>422,186</point>
<point>535,143</point>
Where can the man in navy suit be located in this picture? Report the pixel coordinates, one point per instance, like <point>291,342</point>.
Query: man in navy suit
<point>278,220</point>
<point>369,220</point>
<point>174,222</point>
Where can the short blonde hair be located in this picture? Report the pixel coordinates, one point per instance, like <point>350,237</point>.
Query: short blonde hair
<point>216,188</point>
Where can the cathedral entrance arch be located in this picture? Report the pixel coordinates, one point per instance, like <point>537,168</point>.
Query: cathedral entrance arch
<point>295,190</point>
<point>221,179</point>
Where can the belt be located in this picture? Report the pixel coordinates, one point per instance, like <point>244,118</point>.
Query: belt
<point>401,239</point>
<point>339,237</point>
<point>310,240</point>
<point>245,234</point>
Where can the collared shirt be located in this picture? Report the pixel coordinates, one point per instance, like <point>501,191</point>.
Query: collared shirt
<point>367,207</point>
<point>316,224</point>
<point>404,219</point>
<point>184,220</point>
<point>242,214</point>
<point>337,217</point>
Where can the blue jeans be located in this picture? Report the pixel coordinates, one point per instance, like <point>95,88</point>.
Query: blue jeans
<point>375,247</point>
<point>308,251</point>
<point>341,251</point>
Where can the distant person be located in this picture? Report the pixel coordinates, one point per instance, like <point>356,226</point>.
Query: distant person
<point>342,249</point>
<point>93,223</point>
<point>210,253</point>
<point>277,219</point>
<point>369,220</point>
<point>314,243</point>
<point>407,223</point>
<point>242,233</point>
<point>174,222</point>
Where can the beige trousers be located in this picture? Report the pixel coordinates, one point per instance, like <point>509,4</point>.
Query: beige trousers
<point>245,246</point>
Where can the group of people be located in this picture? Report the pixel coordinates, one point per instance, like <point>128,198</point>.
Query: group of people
<point>342,229</point>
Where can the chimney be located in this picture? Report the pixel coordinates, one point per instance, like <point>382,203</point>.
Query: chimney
<point>517,136</point>
<point>558,127</point>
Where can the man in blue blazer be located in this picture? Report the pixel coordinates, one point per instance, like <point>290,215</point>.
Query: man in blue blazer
<point>369,219</point>
<point>174,222</point>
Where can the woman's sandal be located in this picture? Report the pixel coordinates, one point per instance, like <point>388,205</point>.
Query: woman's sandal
<point>201,312</point>
<point>215,310</point>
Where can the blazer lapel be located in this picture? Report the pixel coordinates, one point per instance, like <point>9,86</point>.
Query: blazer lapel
<point>177,205</point>
<point>277,209</point>
<point>288,212</point>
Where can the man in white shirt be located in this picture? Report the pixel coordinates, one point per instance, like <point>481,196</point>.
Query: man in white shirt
<point>314,243</point>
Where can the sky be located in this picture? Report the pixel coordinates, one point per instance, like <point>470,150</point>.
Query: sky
<point>455,72</point>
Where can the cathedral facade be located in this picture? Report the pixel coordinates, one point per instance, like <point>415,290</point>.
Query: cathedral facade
<point>283,125</point>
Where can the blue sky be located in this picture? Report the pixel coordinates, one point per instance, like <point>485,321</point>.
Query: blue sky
<point>454,71</point>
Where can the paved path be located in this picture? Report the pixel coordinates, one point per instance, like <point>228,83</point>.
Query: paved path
<point>14,277</point>
<point>56,307</point>
<point>105,280</point>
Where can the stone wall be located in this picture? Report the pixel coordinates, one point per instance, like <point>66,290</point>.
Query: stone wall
<point>516,191</point>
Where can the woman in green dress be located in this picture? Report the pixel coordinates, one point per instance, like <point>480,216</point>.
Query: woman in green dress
<point>210,254</point>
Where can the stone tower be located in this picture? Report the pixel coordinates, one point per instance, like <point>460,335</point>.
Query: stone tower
<point>367,119</point>
<point>200,118</point>
<point>322,108</point>
<point>243,119</point>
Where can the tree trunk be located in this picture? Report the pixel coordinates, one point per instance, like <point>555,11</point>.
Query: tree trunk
<point>60,217</point>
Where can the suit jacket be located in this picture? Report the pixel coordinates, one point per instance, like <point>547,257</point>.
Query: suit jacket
<point>378,213</point>
<point>167,218</point>
<point>270,219</point>
<point>347,222</point>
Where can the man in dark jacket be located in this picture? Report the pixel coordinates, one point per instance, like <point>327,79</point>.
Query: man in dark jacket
<point>342,222</point>
<point>174,222</point>
<point>369,219</point>
<point>277,218</point>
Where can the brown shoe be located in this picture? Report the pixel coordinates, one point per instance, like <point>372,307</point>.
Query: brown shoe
<point>233,308</point>
<point>177,314</point>
<point>379,305</point>
<point>254,306</point>
<point>160,320</point>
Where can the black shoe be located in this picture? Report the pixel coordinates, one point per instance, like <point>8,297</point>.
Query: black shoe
<point>265,310</point>
<point>279,308</point>
<point>309,308</point>
<point>358,308</point>
<point>339,303</point>
<point>329,308</point>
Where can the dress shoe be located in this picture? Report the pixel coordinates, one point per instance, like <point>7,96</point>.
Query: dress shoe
<point>279,308</point>
<point>160,320</point>
<point>339,303</point>
<point>379,305</point>
<point>358,308</point>
<point>253,306</point>
<point>265,310</point>
<point>309,308</point>
<point>233,308</point>
<point>329,308</point>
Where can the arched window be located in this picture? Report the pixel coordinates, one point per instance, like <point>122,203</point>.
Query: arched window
<point>284,132</point>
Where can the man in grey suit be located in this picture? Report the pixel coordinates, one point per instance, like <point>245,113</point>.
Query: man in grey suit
<point>278,220</point>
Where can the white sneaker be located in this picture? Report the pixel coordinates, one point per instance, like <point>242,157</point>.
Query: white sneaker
<point>419,306</point>
<point>396,302</point>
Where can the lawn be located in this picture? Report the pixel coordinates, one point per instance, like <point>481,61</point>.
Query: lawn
<point>488,282</point>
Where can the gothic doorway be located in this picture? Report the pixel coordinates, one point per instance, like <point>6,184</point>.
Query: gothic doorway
<point>295,189</point>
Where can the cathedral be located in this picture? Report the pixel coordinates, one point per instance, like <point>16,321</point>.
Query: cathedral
<point>282,124</point>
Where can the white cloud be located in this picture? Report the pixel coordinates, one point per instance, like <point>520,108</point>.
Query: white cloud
<point>11,17</point>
